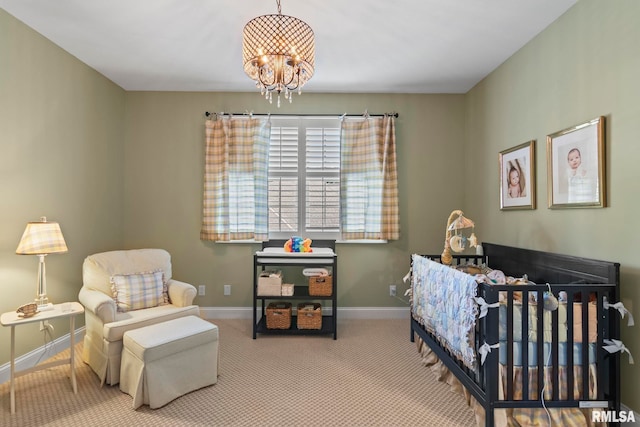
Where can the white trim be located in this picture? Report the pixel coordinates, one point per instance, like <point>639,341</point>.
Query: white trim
<point>373,313</point>
<point>285,237</point>
<point>362,241</point>
<point>211,313</point>
<point>40,354</point>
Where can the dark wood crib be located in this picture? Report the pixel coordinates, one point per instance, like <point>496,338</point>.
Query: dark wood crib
<point>587,285</point>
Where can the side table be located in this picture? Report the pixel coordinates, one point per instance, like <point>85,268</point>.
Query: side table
<point>11,318</point>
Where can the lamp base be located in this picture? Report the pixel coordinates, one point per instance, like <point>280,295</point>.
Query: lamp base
<point>45,307</point>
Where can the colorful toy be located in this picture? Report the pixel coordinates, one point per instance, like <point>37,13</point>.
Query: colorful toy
<point>298,244</point>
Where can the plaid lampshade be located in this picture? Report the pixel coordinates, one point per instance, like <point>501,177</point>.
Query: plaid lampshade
<point>40,238</point>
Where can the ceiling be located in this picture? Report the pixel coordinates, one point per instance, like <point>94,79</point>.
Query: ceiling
<point>366,46</point>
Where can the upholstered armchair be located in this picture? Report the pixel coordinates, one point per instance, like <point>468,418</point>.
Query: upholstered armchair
<point>125,290</point>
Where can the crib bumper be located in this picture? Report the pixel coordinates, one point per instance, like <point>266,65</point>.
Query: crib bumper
<point>533,353</point>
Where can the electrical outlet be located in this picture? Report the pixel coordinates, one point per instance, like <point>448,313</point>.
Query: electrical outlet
<point>201,290</point>
<point>392,290</point>
<point>227,290</point>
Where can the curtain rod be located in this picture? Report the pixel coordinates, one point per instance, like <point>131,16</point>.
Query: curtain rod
<point>365,114</point>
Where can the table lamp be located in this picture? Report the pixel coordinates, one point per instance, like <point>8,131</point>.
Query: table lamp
<point>456,222</point>
<point>42,238</point>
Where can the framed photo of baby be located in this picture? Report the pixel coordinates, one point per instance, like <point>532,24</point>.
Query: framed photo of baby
<point>575,166</point>
<point>517,177</point>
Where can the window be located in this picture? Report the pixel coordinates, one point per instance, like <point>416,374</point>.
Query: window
<point>317,177</point>
<point>304,177</point>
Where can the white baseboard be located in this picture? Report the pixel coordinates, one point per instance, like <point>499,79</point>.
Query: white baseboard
<point>211,313</point>
<point>373,313</point>
<point>40,354</point>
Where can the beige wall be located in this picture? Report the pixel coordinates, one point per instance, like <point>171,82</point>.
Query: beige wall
<point>584,65</point>
<point>61,132</point>
<point>127,172</point>
<point>164,163</point>
<point>123,169</point>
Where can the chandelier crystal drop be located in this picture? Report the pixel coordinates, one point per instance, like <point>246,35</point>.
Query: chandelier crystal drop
<point>278,53</point>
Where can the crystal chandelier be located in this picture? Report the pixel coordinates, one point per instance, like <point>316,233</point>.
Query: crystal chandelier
<point>278,54</point>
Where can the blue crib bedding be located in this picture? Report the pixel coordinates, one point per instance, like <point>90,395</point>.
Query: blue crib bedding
<point>533,353</point>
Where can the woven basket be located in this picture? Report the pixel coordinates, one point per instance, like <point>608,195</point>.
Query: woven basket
<point>309,316</point>
<point>320,286</point>
<point>279,315</point>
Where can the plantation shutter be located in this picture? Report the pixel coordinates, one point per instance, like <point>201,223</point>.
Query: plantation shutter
<point>304,177</point>
<point>323,179</point>
<point>283,180</point>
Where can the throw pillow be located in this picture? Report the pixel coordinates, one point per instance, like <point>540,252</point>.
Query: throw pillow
<point>138,290</point>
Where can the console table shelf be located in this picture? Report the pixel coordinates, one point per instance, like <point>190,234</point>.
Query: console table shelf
<point>327,322</point>
<point>299,292</point>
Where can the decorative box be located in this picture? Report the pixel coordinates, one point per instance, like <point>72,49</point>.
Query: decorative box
<point>320,286</point>
<point>287,289</point>
<point>270,283</point>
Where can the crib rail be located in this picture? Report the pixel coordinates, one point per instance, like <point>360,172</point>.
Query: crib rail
<point>520,361</point>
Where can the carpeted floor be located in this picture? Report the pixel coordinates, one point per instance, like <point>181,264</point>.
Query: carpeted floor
<point>370,376</point>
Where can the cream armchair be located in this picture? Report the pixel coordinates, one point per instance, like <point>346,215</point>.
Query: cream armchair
<point>105,324</point>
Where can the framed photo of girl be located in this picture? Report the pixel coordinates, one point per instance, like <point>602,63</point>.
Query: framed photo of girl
<point>575,166</point>
<point>517,177</point>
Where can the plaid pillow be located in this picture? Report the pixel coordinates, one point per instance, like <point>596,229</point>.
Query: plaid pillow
<point>138,290</point>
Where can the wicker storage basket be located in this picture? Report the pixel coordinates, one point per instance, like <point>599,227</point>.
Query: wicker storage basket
<point>279,315</point>
<point>320,286</point>
<point>309,316</point>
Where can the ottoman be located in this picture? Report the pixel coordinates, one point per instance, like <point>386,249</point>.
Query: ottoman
<point>164,361</point>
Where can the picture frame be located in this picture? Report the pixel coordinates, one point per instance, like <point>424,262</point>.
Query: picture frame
<point>518,177</point>
<point>576,166</point>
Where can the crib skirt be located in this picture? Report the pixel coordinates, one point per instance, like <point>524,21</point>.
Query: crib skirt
<point>523,417</point>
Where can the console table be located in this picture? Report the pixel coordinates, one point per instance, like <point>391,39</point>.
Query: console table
<point>11,318</point>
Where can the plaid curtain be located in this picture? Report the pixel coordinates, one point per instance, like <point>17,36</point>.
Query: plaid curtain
<point>234,203</point>
<point>369,179</point>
